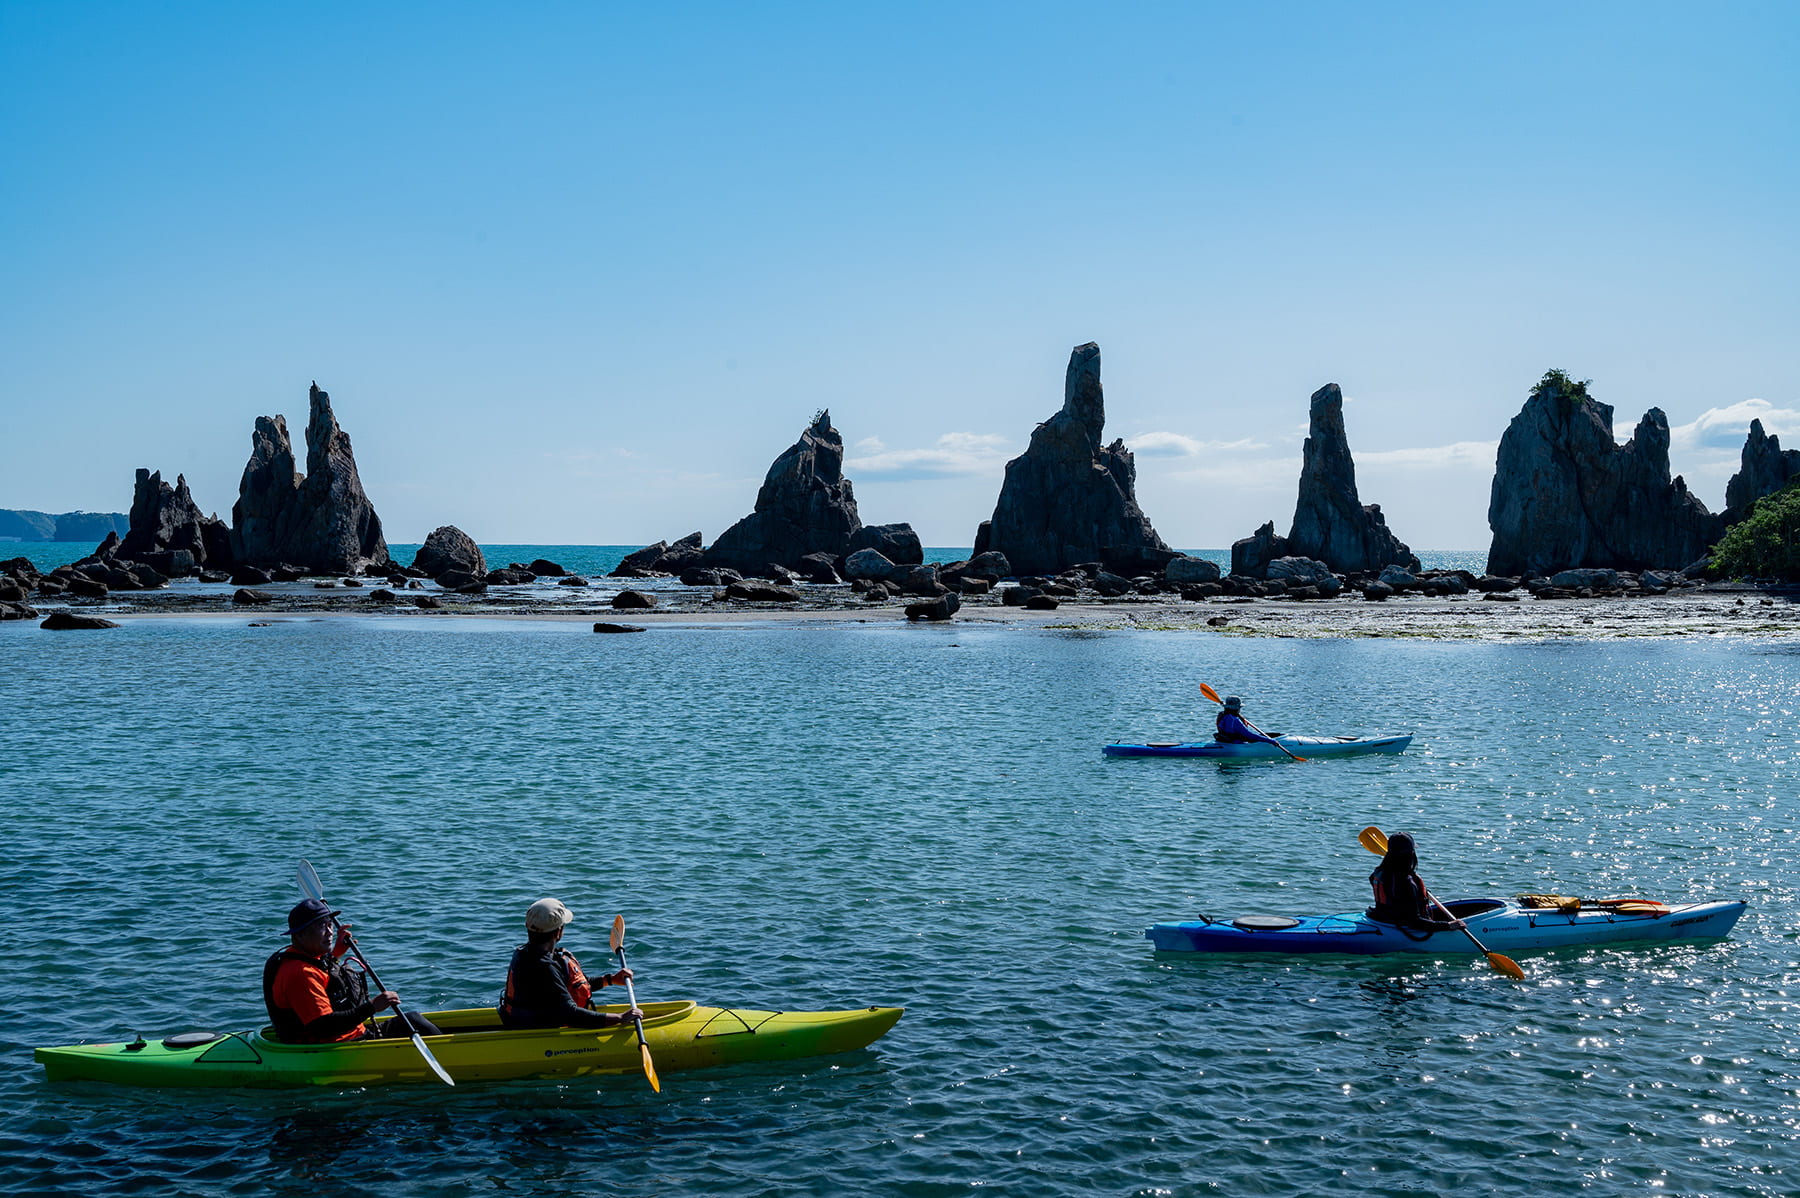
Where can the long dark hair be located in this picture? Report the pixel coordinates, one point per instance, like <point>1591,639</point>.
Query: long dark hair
<point>1402,859</point>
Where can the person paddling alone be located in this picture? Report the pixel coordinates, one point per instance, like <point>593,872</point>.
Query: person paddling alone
<point>544,984</point>
<point>1400,895</point>
<point>314,998</point>
<point>1233,729</point>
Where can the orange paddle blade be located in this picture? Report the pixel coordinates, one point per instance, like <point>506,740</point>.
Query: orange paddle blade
<point>1373,839</point>
<point>650,1070</point>
<point>1507,966</point>
<point>1212,694</point>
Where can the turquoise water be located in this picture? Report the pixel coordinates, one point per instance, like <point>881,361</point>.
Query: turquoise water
<point>599,559</point>
<point>877,813</point>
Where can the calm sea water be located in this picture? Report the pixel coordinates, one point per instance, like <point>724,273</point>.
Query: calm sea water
<point>817,817</point>
<point>598,559</point>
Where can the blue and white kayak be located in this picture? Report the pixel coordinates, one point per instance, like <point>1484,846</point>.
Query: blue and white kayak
<point>1503,925</point>
<point>1299,746</point>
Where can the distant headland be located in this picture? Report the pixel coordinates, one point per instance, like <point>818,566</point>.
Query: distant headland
<point>20,525</point>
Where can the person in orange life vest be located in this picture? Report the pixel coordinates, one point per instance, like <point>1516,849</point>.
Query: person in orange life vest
<point>1232,729</point>
<point>1400,894</point>
<point>544,984</point>
<point>313,998</point>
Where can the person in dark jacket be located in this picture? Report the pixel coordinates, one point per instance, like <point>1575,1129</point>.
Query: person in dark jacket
<point>314,998</point>
<point>1233,729</point>
<point>545,986</point>
<point>1400,894</point>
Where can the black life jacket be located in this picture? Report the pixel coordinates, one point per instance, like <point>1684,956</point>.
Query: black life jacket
<point>345,989</point>
<point>1404,904</point>
<point>569,975</point>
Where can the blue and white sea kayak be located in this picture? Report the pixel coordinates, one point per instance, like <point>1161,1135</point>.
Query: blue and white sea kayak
<point>1503,925</point>
<point>1299,746</point>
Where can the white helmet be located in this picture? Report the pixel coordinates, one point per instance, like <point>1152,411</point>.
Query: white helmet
<point>547,915</point>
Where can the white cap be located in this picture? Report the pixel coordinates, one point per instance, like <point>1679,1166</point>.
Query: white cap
<point>547,915</point>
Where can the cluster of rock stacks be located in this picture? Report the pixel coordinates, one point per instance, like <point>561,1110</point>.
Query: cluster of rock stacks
<point>1070,498</point>
<point>169,532</point>
<point>1566,495</point>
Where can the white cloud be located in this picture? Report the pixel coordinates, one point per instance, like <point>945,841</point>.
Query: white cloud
<point>1458,455</point>
<point>954,455</point>
<point>1180,445</point>
<point>1725,428</point>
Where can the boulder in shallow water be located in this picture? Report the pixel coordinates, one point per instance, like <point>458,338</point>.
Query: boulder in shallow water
<point>67,621</point>
<point>868,563</point>
<point>942,608</point>
<point>447,549</point>
<point>896,542</point>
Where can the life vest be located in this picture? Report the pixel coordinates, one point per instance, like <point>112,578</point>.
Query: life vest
<point>580,992</point>
<point>344,989</point>
<point>1401,904</point>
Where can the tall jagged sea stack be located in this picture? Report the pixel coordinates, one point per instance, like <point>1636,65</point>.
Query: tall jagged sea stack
<point>322,520</point>
<point>805,505</point>
<point>1567,495</point>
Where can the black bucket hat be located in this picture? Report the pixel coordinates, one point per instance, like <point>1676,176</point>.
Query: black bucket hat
<point>308,912</point>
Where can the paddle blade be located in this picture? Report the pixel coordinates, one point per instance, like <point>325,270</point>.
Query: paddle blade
<point>308,877</point>
<point>432,1061</point>
<point>618,933</point>
<point>1506,965</point>
<point>1374,840</point>
<point>649,1069</point>
<point>1212,694</point>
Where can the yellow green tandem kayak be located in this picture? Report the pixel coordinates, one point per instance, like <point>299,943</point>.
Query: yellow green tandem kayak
<point>474,1047</point>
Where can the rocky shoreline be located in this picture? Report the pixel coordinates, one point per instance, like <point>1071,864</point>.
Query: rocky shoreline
<point>1714,609</point>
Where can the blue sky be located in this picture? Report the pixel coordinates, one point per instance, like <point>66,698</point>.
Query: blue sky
<point>579,272</point>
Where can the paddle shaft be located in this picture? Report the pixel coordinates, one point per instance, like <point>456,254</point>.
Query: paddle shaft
<point>631,994</point>
<point>312,888</point>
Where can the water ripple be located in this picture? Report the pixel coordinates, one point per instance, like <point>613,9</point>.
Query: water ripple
<point>797,818</point>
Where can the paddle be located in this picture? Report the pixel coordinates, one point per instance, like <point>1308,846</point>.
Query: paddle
<point>618,947</point>
<point>1212,694</point>
<point>1375,840</point>
<point>310,887</point>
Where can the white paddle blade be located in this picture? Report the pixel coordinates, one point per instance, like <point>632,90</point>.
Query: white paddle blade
<point>431,1060</point>
<point>308,877</point>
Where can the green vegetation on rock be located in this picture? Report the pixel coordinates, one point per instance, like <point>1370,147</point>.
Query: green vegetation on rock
<point>1558,382</point>
<point>1765,543</point>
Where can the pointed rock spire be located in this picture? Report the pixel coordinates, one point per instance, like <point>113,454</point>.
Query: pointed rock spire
<point>1330,523</point>
<point>1067,499</point>
<point>1764,469</point>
